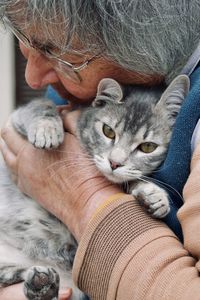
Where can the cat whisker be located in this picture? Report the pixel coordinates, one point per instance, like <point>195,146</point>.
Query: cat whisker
<point>126,185</point>
<point>164,184</point>
<point>67,166</point>
<point>132,173</point>
<point>83,154</point>
<point>70,166</point>
<point>71,161</point>
<point>55,173</point>
<point>161,168</point>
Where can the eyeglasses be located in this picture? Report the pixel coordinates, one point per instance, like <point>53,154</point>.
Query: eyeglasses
<point>65,68</point>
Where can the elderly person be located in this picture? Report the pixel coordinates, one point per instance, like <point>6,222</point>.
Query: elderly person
<point>71,45</point>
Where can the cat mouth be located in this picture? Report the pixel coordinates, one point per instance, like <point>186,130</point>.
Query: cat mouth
<point>121,174</point>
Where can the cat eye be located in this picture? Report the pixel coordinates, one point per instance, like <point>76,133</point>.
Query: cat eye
<point>108,132</point>
<point>147,147</point>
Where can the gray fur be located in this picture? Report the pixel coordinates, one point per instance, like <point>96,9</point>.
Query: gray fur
<point>35,247</point>
<point>143,115</point>
<point>151,37</point>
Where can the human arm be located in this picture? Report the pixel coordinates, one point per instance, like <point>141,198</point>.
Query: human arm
<point>123,252</point>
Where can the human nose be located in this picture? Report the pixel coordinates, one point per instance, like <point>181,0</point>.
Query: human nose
<point>38,72</point>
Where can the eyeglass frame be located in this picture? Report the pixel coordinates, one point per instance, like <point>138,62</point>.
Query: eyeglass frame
<point>27,43</point>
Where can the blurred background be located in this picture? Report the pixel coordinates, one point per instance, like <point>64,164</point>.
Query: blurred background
<point>13,89</point>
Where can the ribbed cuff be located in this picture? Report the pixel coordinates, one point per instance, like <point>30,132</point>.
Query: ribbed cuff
<point>108,236</point>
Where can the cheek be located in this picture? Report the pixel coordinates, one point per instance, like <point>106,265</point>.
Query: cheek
<point>85,90</point>
<point>91,76</point>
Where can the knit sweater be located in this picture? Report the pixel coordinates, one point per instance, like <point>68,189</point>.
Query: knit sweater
<point>126,254</point>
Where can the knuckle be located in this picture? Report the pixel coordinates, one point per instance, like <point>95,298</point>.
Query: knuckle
<point>4,132</point>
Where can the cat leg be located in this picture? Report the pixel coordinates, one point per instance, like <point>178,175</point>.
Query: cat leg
<point>41,283</point>
<point>46,133</point>
<point>11,274</point>
<point>40,122</point>
<point>152,197</point>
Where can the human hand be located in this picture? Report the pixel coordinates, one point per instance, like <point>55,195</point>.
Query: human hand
<point>17,290</point>
<point>192,186</point>
<point>188,214</point>
<point>63,180</point>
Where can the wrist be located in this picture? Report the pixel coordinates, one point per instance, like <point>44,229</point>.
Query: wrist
<point>93,200</point>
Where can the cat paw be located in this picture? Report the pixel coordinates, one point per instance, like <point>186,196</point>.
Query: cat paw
<point>153,198</point>
<point>46,133</point>
<point>41,283</point>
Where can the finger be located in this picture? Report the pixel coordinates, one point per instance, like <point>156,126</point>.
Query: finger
<point>70,120</point>
<point>14,141</point>
<point>9,157</point>
<point>61,108</point>
<point>65,295</point>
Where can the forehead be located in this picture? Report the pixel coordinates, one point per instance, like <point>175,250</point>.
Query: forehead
<point>41,34</point>
<point>54,21</point>
<point>52,33</point>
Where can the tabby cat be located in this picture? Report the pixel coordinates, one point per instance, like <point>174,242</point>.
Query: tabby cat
<point>126,131</point>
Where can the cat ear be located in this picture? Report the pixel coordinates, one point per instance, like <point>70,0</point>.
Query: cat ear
<point>173,97</point>
<point>108,90</point>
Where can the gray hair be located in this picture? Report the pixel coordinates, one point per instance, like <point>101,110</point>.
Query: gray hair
<point>147,36</point>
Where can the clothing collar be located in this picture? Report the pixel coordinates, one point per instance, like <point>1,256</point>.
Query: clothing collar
<point>192,62</point>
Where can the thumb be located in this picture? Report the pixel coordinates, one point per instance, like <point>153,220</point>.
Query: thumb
<point>70,120</point>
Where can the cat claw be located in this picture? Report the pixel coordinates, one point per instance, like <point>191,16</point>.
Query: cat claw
<point>41,283</point>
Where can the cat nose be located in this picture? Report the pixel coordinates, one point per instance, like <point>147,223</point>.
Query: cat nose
<point>114,165</point>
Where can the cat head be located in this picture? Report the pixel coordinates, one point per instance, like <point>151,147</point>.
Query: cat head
<point>127,130</point>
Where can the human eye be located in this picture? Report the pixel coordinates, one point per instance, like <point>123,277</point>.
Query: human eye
<point>47,48</point>
<point>47,51</point>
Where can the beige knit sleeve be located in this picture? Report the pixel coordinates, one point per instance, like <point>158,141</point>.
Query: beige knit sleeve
<point>126,254</point>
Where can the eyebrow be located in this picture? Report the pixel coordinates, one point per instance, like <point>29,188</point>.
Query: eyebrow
<point>48,46</point>
<point>51,48</point>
